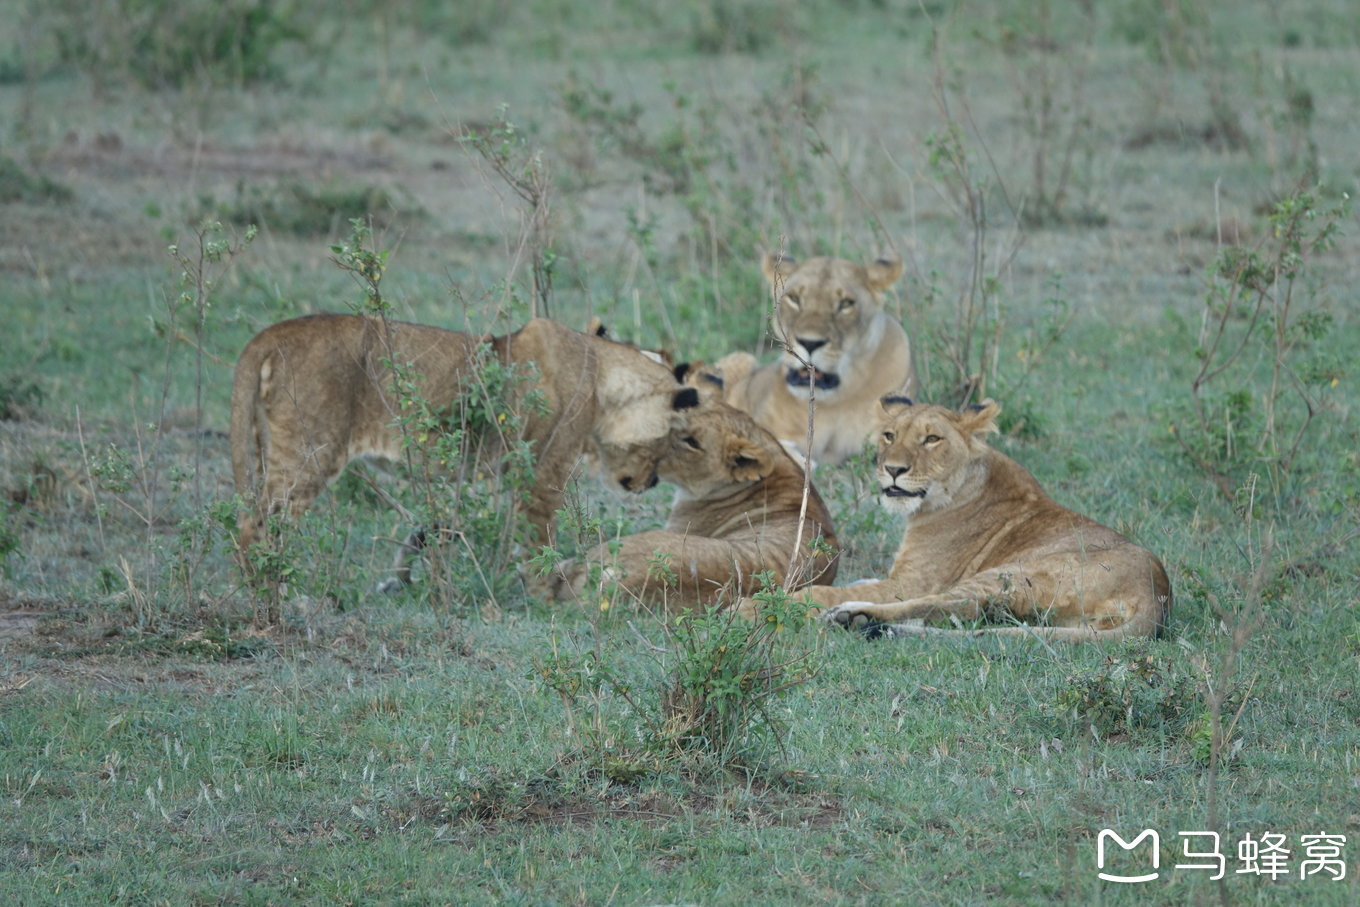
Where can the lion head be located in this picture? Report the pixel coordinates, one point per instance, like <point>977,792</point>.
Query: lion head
<point>720,447</point>
<point>639,429</point>
<point>827,315</point>
<point>928,454</point>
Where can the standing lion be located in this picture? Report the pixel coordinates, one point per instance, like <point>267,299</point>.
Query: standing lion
<point>314,393</point>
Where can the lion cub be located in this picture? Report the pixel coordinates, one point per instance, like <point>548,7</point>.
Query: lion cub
<point>736,513</point>
<point>984,540</point>
<point>313,393</point>
<point>839,340</point>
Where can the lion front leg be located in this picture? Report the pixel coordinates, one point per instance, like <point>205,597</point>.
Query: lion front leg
<point>872,591</point>
<point>540,513</point>
<point>824,597</point>
<point>966,601</point>
<point>860,614</point>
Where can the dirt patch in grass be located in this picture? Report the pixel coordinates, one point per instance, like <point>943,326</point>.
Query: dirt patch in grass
<point>499,803</point>
<point>19,624</point>
<point>21,617</point>
<point>107,156</point>
<point>68,646</point>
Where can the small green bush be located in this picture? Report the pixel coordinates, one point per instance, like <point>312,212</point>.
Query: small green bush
<point>307,211</point>
<point>1264,371</point>
<point>20,395</point>
<point>19,185</point>
<point>166,44</point>
<point>1128,693</point>
<point>729,670</point>
<point>744,26</point>
<point>719,675</point>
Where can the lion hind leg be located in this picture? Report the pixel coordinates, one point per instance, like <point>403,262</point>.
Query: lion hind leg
<point>287,486</point>
<point>676,571</point>
<point>411,548</point>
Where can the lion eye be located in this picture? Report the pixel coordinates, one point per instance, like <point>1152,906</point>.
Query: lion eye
<point>792,299</point>
<point>932,439</point>
<point>888,437</point>
<point>691,443</point>
<point>845,304</point>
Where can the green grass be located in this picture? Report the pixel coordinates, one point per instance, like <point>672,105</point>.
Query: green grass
<point>421,762</point>
<point>154,748</point>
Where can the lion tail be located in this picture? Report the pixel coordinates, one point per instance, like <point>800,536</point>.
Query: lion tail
<point>1125,630</point>
<point>1135,627</point>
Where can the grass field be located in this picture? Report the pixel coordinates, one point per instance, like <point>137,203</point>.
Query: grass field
<point>1066,183</point>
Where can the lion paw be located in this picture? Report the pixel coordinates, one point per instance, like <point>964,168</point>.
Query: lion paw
<point>565,582</point>
<point>848,615</point>
<point>851,616</point>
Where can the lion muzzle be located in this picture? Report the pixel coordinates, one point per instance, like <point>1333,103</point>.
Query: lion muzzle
<point>822,381</point>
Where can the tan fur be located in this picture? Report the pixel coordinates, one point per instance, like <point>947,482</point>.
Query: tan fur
<point>736,514</point>
<point>984,540</point>
<point>833,302</point>
<point>313,393</point>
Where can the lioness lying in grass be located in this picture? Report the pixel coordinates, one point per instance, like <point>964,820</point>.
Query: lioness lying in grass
<point>983,540</point>
<point>740,511</point>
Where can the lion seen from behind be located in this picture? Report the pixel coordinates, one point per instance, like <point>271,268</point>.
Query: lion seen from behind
<point>314,393</point>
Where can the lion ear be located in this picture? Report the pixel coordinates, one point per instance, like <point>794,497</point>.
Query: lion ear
<point>777,267</point>
<point>700,376</point>
<point>748,461</point>
<point>891,406</point>
<point>884,272</point>
<point>980,418</point>
<point>685,398</point>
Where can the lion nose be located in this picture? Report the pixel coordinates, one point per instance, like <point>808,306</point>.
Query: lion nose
<point>811,345</point>
<point>895,471</point>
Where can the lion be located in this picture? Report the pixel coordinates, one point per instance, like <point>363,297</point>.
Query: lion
<point>738,511</point>
<point>983,540</point>
<point>314,393</point>
<point>836,338</point>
